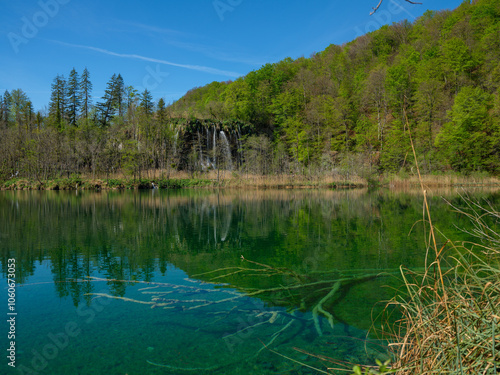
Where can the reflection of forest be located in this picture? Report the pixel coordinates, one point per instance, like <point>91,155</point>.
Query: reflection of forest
<point>132,235</point>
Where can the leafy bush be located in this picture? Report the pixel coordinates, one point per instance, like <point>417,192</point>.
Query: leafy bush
<point>383,368</point>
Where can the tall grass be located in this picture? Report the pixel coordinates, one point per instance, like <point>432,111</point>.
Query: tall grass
<point>451,316</point>
<point>450,321</point>
<point>407,180</point>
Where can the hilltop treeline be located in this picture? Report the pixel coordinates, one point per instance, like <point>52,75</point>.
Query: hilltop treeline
<point>347,109</point>
<point>349,102</point>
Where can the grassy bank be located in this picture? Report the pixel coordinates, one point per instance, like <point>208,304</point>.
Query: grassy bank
<point>227,179</point>
<point>181,180</point>
<point>78,183</point>
<point>441,180</point>
<point>451,322</point>
<point>451,310</point>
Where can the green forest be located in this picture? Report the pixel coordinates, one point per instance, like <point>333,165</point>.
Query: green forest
<point>351,109</point>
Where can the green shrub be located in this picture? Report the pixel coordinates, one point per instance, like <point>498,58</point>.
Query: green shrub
<point>383,368</point>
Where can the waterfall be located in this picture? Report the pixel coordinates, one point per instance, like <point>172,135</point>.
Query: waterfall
<point>176,137</point>
<point>226,150</point>
<point>214,150</point>
<point>206,131</point>
<point>240,146</point>
<point>209,160</point>
<point>200,150</point>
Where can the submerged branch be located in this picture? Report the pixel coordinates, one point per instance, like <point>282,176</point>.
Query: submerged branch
<point>319,309</point>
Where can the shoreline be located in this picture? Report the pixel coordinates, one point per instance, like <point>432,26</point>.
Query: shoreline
<point>250,182</point>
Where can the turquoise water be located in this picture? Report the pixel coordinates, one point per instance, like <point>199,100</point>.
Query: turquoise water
<point>160,282</point>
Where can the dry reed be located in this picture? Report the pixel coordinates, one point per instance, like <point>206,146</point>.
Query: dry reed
<point>450,321</point>
<point>451,325</point>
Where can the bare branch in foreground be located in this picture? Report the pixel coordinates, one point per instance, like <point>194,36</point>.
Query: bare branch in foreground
<point>380,3</point>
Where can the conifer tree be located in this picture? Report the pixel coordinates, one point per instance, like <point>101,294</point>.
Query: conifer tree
<point>5,109</point>
<point>2,111</point>
<point>73,97</point>
<point>118,94</point>
<point>85,93</point>
<point>161,113</point>
<point>20,107</point>
<point>107,107</point>
<point>58,103</point>
<point>146,102</point>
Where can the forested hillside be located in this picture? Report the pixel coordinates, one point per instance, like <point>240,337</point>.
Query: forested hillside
<point>347,109</point>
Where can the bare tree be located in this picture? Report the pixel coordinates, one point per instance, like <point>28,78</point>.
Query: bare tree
<point>381,1</point>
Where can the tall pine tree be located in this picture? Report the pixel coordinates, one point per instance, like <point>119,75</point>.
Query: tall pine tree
<point>161,113</point>
<point>113,100</point>
<point>20,107</point>
<point>85,93</point>
<point>58,103</point>
<point>5,112</point>
<point>146,102</point>
<point>107,106</point>
<point>2,110</point>
<point>118,94</point>
<point>73,97</point>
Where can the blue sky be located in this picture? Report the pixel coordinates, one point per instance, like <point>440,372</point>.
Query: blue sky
<point>171,46</point>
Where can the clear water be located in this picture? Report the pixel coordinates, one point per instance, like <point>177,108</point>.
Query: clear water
<point>123,282</point>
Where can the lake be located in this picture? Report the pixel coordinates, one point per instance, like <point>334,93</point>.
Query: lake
<point>207,282</point>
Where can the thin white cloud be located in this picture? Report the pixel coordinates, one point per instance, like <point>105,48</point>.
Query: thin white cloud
<point>155,29</point>
<point>199,68</point>
<point>214,53</point>
<point>174,38</point>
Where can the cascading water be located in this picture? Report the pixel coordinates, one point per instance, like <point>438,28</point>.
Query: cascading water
<point>200,150</point>
<point>227,151</point>
<point>216,146</point>
<point>176,137</point>
<point>206,132</point>
<point>214,149</point>
<point>209,162</point>
<point>240,147</point>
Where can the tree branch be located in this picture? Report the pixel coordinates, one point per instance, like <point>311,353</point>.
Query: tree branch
<point>380,3</point>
